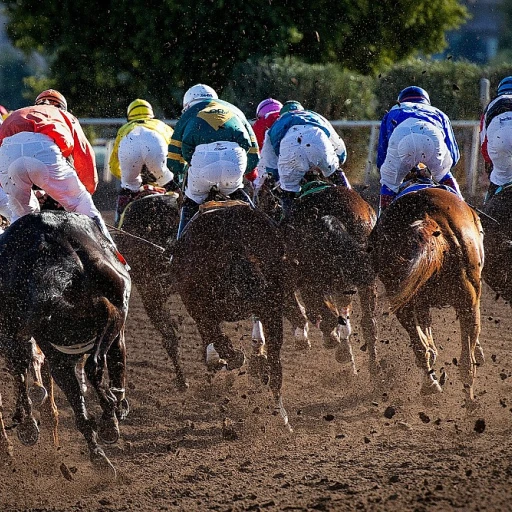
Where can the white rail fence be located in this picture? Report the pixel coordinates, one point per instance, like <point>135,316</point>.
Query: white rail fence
<point>467,133</point>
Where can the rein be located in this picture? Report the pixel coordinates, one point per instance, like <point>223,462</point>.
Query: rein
<point>140,239</point>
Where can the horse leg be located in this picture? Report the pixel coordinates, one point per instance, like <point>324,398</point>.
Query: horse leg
<point>295,311</point>
<point>344,353</point>
<point>80,374</point>
<point>368,302</point>
<point>5,443</point>
<point>469,330</point>
<point>153,297</point>
<point>18,354</point>
<point>116,363</point>
<point>417,321</point>
<point>37,391</point>
<point>258,358</point>
<point>273,322</point>
<point>212,335</point>
<point>64,376</point>
<point>49,411</point>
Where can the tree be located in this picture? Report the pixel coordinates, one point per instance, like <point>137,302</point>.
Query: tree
<point>103,54</point>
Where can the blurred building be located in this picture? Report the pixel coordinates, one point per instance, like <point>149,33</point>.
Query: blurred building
<point>477,40</point>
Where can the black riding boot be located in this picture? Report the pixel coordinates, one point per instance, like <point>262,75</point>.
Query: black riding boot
<point>241,195</point>
<point>188,210</point>
<point>287,199</point>
<point>124,198</point>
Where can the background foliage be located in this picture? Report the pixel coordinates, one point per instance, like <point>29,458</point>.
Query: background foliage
<point>102,54</point>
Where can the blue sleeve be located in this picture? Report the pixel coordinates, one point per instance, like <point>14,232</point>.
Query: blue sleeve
<point>382,147</point>
<point>450,140</point>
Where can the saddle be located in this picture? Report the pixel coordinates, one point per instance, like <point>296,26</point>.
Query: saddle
<point>420,178</point>
<point>215,204</point>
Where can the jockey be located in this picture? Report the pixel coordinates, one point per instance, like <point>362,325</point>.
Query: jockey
<point>142,141</point>
<point>298,141</point>
<point>44,145</point>
<point>414,132</point>
<point>266,114</point>
<point>218,144</point>
<point>496,137</point>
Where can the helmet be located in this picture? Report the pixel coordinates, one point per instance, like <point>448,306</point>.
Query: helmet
<point>267,106</point>
<point>198,92</point>
<point>291,105</point>
<point>505,86</point>
<point>3,111</point>
<point>139,109</point>
<point>414,94</point>
<point>52,97</point>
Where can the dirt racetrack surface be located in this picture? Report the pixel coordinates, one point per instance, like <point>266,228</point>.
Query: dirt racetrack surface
<point>219,447</point>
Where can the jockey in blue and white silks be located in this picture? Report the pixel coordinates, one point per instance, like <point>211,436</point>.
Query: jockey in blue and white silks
<point>298,141</point>
<point>414,132</point>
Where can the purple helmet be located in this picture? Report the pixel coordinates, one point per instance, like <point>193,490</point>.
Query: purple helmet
<point>267,106</point>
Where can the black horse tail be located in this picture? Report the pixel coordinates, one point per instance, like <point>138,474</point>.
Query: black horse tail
<point>430,245</point>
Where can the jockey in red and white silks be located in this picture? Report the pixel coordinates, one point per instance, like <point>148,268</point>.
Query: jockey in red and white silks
<point>496,137</point>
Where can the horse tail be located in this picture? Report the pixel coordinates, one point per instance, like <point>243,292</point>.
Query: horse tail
<point>426,259</point>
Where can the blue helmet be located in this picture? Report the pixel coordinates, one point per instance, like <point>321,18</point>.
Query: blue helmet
<point>414,94</point>
<point>505,86</point>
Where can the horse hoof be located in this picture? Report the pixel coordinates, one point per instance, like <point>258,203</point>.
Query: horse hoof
<point>123,409</point>
<point>479,355</point>
<point>28,432</point>
<point>38,395</point>
<point>108,430</point>
<point>236,361</point>
<point>100,462</point>
<point>213,360</point>
<point>431,388</point>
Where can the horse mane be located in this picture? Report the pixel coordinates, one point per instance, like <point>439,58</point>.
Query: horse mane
<point>431,245</point>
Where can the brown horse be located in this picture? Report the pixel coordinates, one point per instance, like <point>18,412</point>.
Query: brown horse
<point>326,240</point>
<point>427,249</point>
<point>62,285</point>
<point>228,265</point>
<point>496,219</point>
<point>153,219</point>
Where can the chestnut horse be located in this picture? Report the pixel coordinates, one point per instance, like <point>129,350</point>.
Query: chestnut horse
<point>496,219</point>
<point>326,238</point>
<point>427,249</point>
<point>229,265</point>
<point>62,285</point>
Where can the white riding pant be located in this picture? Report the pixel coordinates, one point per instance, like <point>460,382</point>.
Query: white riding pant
<point>499,147</point>
<point>28,159</point>
<point>220,164</point>
<point>412,142</point>
<point>303,147</point>
<point>5,211</point>
<point>143,147</point>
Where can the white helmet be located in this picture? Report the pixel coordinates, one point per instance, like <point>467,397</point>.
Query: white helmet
<point>198,92</point>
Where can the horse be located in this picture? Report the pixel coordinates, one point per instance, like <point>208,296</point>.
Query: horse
<point>147,227</point>
<point>63,287</point>
<point>427,249</point>
<point>496,218</point>
<point>326,239</point>
<point>228,265</point>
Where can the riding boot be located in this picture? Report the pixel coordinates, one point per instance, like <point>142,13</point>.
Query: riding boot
<point>384,201</point>
<point>188,210</point>
<point>287,200</point>
<point>125,197</point>
<point>339,178</point>
<point>241,195</point>
<point>491,190</point>
<point>449,181</point>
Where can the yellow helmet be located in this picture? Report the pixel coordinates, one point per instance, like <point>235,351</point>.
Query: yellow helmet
<point>139,109</point>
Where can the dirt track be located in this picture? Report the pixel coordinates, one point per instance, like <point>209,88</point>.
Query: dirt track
<point>348,451</point>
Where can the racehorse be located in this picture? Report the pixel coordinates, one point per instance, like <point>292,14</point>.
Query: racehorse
<point>496,218</point>
<point>62,285</point>
<point>326,239</point>
<point>427,248</point>
<point>229,264</point>
<point>154,221</point>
